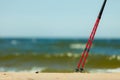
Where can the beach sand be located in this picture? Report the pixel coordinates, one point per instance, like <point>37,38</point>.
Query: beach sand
<point>58,76</point>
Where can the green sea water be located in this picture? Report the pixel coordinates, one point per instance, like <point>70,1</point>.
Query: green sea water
<point>58,55</point>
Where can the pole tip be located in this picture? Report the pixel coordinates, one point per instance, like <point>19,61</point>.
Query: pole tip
<point>79,70</point>
<point>76,70</point>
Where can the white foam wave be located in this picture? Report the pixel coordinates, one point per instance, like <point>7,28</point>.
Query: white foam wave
<point>34,69</point>
<point>114,57</point>
<point>118,57</point>
<point>77,46</point>
<point>104,70</point>
<point>13,42</point>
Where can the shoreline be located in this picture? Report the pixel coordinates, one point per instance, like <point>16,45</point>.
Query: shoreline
<point>58,76</point>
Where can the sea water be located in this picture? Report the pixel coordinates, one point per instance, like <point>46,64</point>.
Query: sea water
<point>58,55</point>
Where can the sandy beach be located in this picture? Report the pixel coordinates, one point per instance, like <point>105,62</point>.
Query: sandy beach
<point>58,76</point>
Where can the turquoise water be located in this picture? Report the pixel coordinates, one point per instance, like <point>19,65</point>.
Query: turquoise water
<point>58,55</point>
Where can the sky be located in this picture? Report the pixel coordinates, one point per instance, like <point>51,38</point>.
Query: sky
<point>58,18</point>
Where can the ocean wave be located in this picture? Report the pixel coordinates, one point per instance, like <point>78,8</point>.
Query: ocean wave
<point>104,70</point>
<point>13,69</point>
<point>43,69</point>
<point>67,55</point>
<point>14,42</point>
<point>59,61</point>
<point>77,46</point>
<point>114,57</point>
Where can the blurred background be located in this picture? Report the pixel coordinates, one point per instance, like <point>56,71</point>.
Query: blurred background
<point>50,35</point>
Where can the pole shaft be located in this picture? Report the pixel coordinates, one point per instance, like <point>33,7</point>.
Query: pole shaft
<point>90,40</point>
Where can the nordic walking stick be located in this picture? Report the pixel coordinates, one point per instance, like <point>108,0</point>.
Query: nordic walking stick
<point>81,63</point>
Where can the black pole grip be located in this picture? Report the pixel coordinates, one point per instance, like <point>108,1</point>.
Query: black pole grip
<point>101,11</point>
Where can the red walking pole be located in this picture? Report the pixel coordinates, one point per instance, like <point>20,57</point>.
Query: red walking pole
<point>81,63</point>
